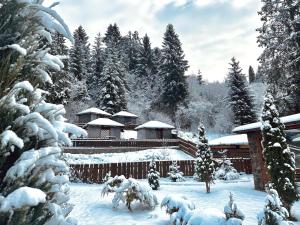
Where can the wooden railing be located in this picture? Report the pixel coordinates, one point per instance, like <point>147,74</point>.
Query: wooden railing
<point>124,143</point>
<point>96,172</point>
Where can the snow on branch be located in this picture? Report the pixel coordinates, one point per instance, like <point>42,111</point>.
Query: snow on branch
<point>22,197</point>
<point>10,137</point>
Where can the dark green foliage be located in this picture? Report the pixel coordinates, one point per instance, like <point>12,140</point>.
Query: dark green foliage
<point>251,75</point>
<point>171,70</point>
<point>200,78</point>
<point>240,100</point>
<point>153,176</point>
<point>204,165</point>
<point>279,159</point>
<point>80,55</point>
<point>112,35</point>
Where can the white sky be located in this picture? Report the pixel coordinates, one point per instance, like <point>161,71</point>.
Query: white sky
<point>211,31</point>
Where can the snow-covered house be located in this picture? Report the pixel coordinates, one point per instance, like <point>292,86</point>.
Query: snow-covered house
<point>154,130</point>
<point>126,118</point>
<point>104,128</point>
<point>90,114</point>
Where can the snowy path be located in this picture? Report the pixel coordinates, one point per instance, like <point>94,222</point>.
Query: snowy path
<point>91,209</point>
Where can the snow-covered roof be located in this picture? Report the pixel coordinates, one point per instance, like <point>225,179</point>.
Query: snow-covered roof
<point>257,125</point>
<point>105,122</point>
<point>95,111</point>
<point>153,124</point>
<point>125,114</point>
<point>240,139</point>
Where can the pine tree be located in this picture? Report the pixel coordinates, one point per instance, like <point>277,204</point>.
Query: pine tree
<point>112,92</point>
<point>172,68</point>
<point>204,166</point>
<point>274,213</point>
<point>280,161</point>
<point>59,90</point>
<point>112,35</point>
<point>153,176</point>
<point>98,59</point>
<point>240,100</point>
<point>144,65</point>
<point>200,78</point>
<point>175,174</point>
<point>80,55</point>
<point>251,75</point>
<point>33,177</point>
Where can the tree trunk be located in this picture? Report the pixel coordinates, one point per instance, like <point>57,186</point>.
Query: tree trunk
<point>207,187</point>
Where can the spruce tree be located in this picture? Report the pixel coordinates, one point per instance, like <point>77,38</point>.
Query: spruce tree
<point>59,89</point>
<point>80,55</point>
<point>112,92</point>
<point>33,176</point>
<point>200,78</point>
<point>112,35</point>
<point>240,100</point>
<point>280,161</point>
<point>98,59</point>
<point>171,70</point>
<point>175,174</point>
<point>251,75</point>
<point>204,166</point>
<point>153,176</point>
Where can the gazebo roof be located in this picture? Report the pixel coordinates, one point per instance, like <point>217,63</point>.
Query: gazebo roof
<point>290,122</point>
<point>239,139</point>
<point>125,114</point>
<point>104,122</point>
<point>94,110</point>
<point>153,124</point>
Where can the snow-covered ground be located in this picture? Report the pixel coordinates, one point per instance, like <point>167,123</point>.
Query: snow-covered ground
<point>144,155</point>
<point>91,209</point>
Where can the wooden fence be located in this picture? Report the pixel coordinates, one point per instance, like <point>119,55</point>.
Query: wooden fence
<point>96,172</point>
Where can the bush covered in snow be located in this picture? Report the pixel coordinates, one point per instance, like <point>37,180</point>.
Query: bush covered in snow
<point>128,191</point>
<point>226,171</point>
<point>178,208</point>
<point>273,213</point>
<point>182,211</point>
<point>153,176</point>
<point>175,174</point>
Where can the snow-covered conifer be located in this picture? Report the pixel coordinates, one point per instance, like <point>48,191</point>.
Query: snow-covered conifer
<point>33,177</point>
<point>231,209</point>
<point>153,176</point>
<point>171,69</point>
<point>175,174</point>
<point>200,78</point>
<point>226,171</point>
<point>251,75</point>
<point>280,161</point>
<point>273,213</point>
<point>112,92</point>
<point>204,165</point>
<point>241,101</point>
<point>112,35</point>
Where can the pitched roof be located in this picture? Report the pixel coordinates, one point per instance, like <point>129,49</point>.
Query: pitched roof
<point>104,122</point>
<point>94,111</point>
<point>125,114</point>
<point>240,139</point>
<point>153,124</point>
<point>287,120</point>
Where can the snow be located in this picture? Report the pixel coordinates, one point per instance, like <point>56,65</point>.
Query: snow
<point>257,125</point>
<point>129,134</point>
<point>18,48</point>
<point>240,139</point>
<point>153,124</point>
<point>125,114</point>
<point>94,111</point>
<point>90,209</point>
<point>23,196</point>
<point>144,155</point>
<point>105,122</point>
<point>10,137</point>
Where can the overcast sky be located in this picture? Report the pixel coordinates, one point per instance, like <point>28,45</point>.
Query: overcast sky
<point>211,31</point>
